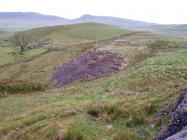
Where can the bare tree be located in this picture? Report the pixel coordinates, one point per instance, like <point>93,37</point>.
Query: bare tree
<point>20,40</point>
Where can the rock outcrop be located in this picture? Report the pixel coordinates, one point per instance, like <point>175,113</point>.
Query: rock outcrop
<point>182,135</point>
<point>176,130</point>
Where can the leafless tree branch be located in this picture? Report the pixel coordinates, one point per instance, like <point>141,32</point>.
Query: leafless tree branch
<point>20,40</point>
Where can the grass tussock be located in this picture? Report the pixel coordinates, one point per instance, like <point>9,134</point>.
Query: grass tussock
<point>105,112</point>
<point>135,120</point>
<point>150,84</point>
<point>163,44</point>
<point>110,112</point>
<point>26,122</point>
<point>160,121</point>
<point>74,136</point>
<point>126,135</point>
<point>140,57</point>
<point>18,86</point>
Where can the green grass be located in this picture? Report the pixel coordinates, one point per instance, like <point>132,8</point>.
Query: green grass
<point>34,51</point>
<point>127,100</point>
<point>59,36</point>
<point>75,34</point>
<point>125,135</point>
<point>13,87</point>
<point>11,55</point>
<point>5,55</point>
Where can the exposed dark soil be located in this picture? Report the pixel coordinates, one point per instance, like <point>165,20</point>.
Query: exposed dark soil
<point>88,66</point>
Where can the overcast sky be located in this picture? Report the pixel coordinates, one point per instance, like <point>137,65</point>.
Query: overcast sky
<point>158,11</point>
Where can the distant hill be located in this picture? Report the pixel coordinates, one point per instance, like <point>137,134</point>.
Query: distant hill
<point>120,22</point>
<point>21,21</point>
<point>175,30</point>
<point>15,21</point>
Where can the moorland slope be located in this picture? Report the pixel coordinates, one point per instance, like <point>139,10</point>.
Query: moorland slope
<point>106,107</point>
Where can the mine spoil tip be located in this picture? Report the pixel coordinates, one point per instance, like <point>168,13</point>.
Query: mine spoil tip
<point>87,66</point>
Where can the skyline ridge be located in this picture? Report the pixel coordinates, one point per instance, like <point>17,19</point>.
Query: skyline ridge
<point>84,16</point>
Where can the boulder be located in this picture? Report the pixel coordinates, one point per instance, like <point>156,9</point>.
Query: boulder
<point>182,135</point>
<point>69,113</point>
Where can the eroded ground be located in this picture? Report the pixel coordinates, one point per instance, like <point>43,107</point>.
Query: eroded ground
<point>88,66</point>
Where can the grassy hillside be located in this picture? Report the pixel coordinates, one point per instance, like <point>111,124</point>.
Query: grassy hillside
<point>178,30</point>
<point>58,37</point>
<point>171,30</point>
<point>128,100</point>
<point>4,34</point>
<point>75,34</point>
